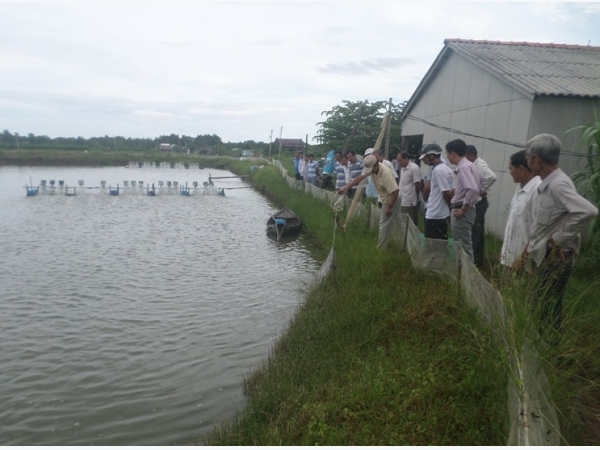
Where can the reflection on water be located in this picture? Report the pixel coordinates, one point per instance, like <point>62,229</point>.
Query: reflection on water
<point>133,319</point>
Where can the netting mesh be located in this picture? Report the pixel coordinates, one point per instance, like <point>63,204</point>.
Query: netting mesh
<point>533,416</point>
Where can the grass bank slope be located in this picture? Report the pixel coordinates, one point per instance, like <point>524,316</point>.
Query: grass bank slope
<point>378,354</point>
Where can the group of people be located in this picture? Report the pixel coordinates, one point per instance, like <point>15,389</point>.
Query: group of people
<point>404,184</point>
<point>306,167</point>
<point>546,217</point>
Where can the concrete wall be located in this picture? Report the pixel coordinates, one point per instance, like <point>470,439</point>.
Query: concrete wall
<point>466,98</point>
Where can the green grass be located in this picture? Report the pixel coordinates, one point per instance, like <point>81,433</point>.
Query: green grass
<point>379,354</point>
<point>572,363</point>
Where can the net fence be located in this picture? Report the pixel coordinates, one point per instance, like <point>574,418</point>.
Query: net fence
<point>533,418</point>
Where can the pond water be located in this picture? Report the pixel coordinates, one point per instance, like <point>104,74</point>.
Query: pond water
<point>131,319</point>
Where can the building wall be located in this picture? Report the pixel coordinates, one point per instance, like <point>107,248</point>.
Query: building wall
<point>556,115</point>
<point>466,98</point>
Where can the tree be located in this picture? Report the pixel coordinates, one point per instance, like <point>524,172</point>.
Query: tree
<point>337,129</point>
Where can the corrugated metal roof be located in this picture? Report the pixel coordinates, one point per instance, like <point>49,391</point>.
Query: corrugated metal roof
<point>539,69</point>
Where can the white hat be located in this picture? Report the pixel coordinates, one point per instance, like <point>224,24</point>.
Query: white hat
<point>369,151</point>
<point>369,162</point>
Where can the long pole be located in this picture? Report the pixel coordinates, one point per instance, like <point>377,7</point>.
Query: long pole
<point>388,131</point>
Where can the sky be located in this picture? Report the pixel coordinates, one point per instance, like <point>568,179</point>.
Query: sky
<point>242,71</point>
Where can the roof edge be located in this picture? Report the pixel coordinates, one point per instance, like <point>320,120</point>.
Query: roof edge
<point>529,44</point>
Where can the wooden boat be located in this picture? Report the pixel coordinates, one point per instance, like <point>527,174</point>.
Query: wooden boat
<point>283,223</point>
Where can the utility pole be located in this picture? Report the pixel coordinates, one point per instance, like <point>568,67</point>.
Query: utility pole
<point>280,133</point>
<point>270,140</point>
<point>17,137</point>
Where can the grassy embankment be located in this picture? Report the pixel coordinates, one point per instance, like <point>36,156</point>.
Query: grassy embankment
<point>379,353</point>
<point>382,353</point>
<point>68,158</point>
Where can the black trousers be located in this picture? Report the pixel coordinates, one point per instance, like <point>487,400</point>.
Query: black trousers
<point>552,277</point>
<point>478,231</point>
<point>436,228</point>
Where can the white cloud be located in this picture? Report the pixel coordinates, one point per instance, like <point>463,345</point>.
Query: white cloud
<point>237,69</point>
<point>151,113</point>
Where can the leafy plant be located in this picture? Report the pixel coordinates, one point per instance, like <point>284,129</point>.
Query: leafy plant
<point>588,179</point>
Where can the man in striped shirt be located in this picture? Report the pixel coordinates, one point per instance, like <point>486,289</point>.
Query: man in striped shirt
<point>468,188</point>
<point>342,174</point>
<point>313,170</point>
<point>356,168</point>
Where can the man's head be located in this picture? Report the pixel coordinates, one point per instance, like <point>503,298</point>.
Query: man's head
<point>430,154</point>
<point>542,151</point>
<point>471,154</point>
<point>371,165</point>
<point>351,156</point>
<point>343,160</point>
<point>311,157</point>
<point>377,154</point>
<point>518,168</point>
<point>456,150</point>
<point>403,158</point>
<point>338,156</point>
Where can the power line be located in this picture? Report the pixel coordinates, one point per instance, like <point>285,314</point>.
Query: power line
<point>499,141</point>
<point>452,130</point>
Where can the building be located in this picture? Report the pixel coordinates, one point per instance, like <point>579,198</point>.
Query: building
<point>166,147</point>
<point>496,96</point>
<point>290,144</point>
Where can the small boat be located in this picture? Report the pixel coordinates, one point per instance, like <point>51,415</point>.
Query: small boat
<point>283,223</point>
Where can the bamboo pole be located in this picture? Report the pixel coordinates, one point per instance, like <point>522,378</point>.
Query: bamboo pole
<point>389,130</point>
<point>361,185</point>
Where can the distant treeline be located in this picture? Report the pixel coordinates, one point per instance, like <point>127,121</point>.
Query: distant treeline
<point>208,144</point>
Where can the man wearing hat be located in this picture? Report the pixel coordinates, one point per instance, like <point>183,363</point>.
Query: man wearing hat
<point>437,192</point>
<point>388,191</point>
<point>381,160</point>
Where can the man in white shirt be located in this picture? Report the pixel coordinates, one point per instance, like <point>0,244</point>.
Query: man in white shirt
<point>522,210</point>
<point>437,192</point>
<point>478,229</point>
<point>561,217</point>
<point>302,165</point>
<point>410,186</point>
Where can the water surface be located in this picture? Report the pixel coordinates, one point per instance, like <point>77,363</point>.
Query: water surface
<point>131,320</point>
